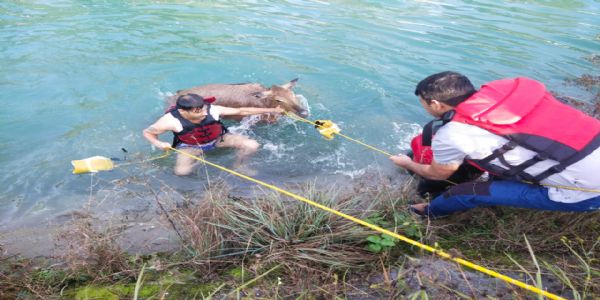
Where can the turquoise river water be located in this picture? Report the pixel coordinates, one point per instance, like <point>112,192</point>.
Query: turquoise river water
<point>83,78</point>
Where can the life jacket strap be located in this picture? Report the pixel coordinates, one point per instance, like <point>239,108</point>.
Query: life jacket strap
<point>428,133</point>
<point>499,153</point>
<point>434,125</point>
<point>550,171</point>
<point>591,147</point>
<point>518,171</point>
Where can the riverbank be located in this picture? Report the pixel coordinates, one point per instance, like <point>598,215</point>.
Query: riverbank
<point>223,245</point>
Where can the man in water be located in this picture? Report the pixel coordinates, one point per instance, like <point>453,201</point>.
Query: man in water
<point>540,153</point>
<point>196,128</point>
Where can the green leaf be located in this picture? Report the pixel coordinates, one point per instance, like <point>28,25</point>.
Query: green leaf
<point>375,248</point>
<point>413,232</point>
<point>387,243</point>
<point>400,218</point>
<point>374,239</point>
<point>374,219</point>
<point>388,237</point>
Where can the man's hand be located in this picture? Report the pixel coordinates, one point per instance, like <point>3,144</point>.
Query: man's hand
<point>401,160</point>
<point>434,171</point>
<point>278,110</point>
<point>151,134</point>
<point>164,146</point>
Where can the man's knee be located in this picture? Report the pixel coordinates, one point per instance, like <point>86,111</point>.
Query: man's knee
<point>250,146</point>
<point>469,189</point>
<point>183,171</point>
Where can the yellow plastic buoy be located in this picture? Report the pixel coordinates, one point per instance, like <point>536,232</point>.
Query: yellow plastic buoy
<point>92,165</point>
<point>327,128</point>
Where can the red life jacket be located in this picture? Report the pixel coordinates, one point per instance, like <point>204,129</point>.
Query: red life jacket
<point>197,134</point>
<point>524,112</point>
<point>421,153</point>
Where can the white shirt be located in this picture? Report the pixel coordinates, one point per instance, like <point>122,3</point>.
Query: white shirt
<point>454,141</point>
<point>215,111</point>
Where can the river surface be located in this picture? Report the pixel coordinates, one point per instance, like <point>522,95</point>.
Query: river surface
<point>84,78</point>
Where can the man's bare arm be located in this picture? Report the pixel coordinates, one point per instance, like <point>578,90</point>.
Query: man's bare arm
<point>153,131</point>
<point>247,111</point>
<point>434,171</point>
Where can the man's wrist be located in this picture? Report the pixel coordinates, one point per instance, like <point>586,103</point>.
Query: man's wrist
<point>407,164</point>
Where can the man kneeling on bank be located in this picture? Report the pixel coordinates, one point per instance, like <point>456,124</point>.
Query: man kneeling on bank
<point>539,152</point>
<point>196,128</point>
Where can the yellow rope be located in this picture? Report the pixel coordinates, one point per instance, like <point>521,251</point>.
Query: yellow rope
<point>167,153</point>
<point>298,118</point>
<point>573,188</point>
<point>382,230</point>
<point>366,145</point>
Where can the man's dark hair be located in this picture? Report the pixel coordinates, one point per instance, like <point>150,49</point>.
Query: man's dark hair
<point>189,101</point>
<point>448,87</point>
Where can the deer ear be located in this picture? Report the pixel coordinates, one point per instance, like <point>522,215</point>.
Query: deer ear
<point>290,85</point>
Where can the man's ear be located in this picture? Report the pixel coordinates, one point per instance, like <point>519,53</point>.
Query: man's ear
<point>435,105</point>
<point>439,105</point>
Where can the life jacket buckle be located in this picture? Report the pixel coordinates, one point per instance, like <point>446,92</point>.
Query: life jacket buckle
<point>541,156</point>
<point>509,146</point>
<point>557,168</point>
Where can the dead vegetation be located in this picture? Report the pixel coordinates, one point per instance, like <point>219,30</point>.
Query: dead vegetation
<point>591,84</point>
<point>272,247</point>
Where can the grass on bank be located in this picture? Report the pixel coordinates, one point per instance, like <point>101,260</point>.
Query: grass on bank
<point>273,247</point>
